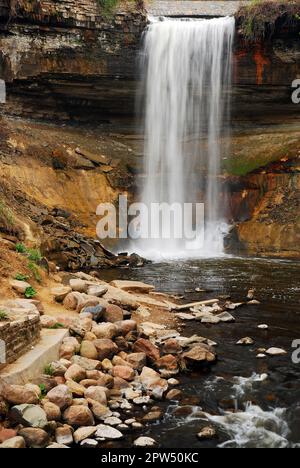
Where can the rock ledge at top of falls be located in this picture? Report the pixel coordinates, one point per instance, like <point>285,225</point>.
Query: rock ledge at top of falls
<point>192,9</point>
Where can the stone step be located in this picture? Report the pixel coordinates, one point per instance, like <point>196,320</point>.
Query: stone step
<point>32,364</point>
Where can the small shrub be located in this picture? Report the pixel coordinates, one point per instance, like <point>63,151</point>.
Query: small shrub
<point>21,277</point>
<point>35,271</point>
<point>57,325</point>
<point>30,292</point>
<point>3,316</point>
<point>43,391</point>
<point>48,370</point>
<point>20,248</point>
<point>34,255</point>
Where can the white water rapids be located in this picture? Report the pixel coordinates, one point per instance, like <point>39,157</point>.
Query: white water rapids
<point>187,78</point>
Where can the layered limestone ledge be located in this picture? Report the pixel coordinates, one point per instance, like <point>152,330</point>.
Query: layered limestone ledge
<point>192,9</point>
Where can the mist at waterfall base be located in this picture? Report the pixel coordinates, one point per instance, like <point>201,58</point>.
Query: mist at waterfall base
<point>186,67</point>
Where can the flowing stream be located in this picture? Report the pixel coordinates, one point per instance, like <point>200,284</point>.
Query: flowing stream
<point>187,76</point>
<point>252,402</point>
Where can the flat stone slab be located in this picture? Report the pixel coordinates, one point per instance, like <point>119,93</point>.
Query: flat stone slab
<point>188,8</point>
<point>32,364</point>
<point>133,286</point>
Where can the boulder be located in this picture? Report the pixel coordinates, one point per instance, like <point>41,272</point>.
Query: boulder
<point>73,300</point>
<point>144,442</point>
<point>105,330</point>
<point>48,322</point>
<point>52,411</point>
<point>97,290</point>
<point>17,394</point>
<point>171,346</point>
<point>6,434</point>
<point>113,313</point>
<point>60,293</point>
<point>126,326</point>
<point>99,411</point>
<point>97,394</point>
<point>199,354</point>
<point>168,363</point>
<point>207,433</point>
<point>58,369</point>
<point>106,348</point>
<point>72,341</point>
<point>137,360</point>
<point>112,421</point>
<point>145,346</point>
<point>120,383</point>
<point>86,363</point>
<point>61,396</point>
<point>14,443</point>
<point>64,435</point>
<point>84,433</point>
<point>34,437</point>
<point>54,445</point>
<point>79,285</point>
<point>108,433</point>
<point>75,388</point>
<point>276,352</point>
<point>174,395</point>
<point>76,373</point>
<point>89,443</point>
<point>20,286</point>
<point>78,416</point>
<point>66,351</point>
<point>153,416</point>
<point>245,341</point>
<point>150,379</point>
<point>124,372</point>
<point>29,416</point>
<point>96,312</point>
<point>88,350</point>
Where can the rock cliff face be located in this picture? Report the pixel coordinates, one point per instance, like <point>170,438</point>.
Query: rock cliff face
<point>65,61</point>
<point>264,160</point>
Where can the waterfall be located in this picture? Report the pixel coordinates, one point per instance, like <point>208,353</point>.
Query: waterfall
<point>186,68</point>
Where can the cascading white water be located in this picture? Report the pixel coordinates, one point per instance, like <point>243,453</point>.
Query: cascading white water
<point>187,76</point>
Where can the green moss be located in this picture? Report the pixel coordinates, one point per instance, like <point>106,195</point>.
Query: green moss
<point>107,6</point>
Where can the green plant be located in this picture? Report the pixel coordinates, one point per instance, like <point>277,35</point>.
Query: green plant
<point>21,277</point>
<point>57,325</point>
<point>30,292</point>
<point>34,255</point>
<point>259,19</point>
<point>3,316</point>
<point>35,271</point>
<point>48,370</point>
<point>43,390</point>
<point>20,248</point>
<point>107,6</point>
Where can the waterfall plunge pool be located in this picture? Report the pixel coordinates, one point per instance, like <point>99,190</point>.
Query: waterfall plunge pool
<point>273,417</point>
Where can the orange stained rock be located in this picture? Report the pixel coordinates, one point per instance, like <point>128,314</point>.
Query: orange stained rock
<point>261,61</point>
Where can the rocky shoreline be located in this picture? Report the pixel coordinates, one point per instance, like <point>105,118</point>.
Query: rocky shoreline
<point>111,364</point>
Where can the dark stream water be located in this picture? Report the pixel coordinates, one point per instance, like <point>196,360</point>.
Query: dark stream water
<point>269,405</point>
